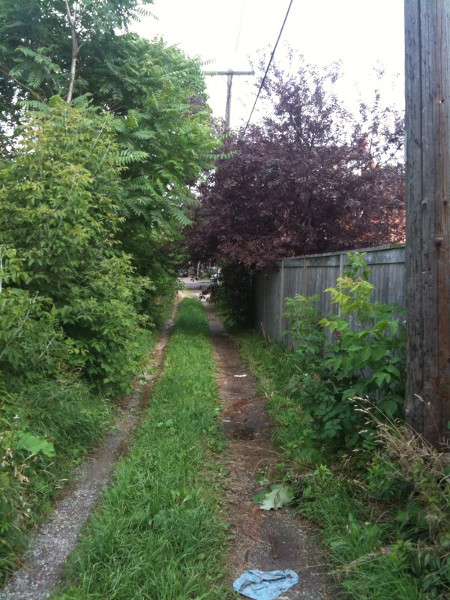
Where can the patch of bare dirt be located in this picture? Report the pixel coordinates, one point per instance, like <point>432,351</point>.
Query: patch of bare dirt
<point>264,540</point>
<point>51,546</point>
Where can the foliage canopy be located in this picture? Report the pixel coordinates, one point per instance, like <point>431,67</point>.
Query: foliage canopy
<point>310,178</point>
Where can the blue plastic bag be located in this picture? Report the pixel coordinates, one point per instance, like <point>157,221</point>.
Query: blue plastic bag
<point>268,585</point>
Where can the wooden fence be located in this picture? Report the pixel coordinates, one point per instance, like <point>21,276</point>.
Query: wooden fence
<point>310,275</point>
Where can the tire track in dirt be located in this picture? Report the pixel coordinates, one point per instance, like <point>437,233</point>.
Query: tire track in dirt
<point>264,540</point>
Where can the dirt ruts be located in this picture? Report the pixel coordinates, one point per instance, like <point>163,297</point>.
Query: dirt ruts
<point>264,540</point>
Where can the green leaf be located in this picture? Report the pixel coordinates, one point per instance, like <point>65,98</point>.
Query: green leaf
<point>366,353</point>
<point>378,353</point>
<point>35,444</point>
<point>279,496</point>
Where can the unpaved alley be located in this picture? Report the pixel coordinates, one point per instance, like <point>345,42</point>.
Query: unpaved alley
<point>263,540</point>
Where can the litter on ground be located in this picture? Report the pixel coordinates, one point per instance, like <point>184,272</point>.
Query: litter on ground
<point>268,585</point>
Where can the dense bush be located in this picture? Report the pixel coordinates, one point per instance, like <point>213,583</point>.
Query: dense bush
<point>60,200</point>
<point>234,295</point>
<point>332,382</point>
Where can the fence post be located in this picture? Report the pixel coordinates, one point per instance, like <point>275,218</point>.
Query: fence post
<point>280,320</point>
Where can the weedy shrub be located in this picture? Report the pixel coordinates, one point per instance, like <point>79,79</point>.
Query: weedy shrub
<point>388,526</point>
<point>309,387</point>
<point>366,360</point>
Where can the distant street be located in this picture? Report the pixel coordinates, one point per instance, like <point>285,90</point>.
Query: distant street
<point>195,285</point>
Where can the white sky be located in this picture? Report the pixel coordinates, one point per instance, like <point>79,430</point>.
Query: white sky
<point>228,33</point>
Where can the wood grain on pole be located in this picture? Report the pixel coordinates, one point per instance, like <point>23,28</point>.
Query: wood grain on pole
<point>427,26</point>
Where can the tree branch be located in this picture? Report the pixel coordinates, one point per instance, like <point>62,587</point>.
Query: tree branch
<point>5,71</point>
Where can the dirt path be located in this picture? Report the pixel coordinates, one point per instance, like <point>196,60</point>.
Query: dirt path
<point>50,548</point>
<point>265,540</point>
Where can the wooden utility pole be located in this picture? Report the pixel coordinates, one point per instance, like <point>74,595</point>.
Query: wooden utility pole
<point>229,75</point>
<point>427,31</point>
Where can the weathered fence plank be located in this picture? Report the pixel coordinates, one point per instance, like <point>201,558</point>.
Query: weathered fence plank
<point>310,275</point>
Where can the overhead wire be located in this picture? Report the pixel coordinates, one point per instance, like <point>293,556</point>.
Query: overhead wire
<point>268,67</point>
<point>238,37</point>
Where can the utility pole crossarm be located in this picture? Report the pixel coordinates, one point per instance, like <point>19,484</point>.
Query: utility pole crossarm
<point>229,75</point>
<point>230,72</point>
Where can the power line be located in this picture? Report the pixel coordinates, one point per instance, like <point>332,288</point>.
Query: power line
<point>238,37</point>
<point>268,66</point>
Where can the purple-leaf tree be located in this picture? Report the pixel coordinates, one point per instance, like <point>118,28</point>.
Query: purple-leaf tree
<point>310,178</point>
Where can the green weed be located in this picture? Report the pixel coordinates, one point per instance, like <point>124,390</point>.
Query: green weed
<point>383,507</point>
<point>366,360</point>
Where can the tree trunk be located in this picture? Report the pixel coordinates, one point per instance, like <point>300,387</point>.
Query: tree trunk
<point>427,28</point>
<point>72,17</point>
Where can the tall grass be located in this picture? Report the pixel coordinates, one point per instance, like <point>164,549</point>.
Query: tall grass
<point>68,416</point>
<point>158,533</point>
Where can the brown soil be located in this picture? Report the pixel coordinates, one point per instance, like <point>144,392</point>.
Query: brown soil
<point>263,540</point>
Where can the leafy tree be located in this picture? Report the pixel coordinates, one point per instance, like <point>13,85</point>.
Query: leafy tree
<point>166,138</point>
<point>166,142</point>
<point>60,197</point>
<point>309,179</point>
<point>40,40</point>
<point>163,125</point>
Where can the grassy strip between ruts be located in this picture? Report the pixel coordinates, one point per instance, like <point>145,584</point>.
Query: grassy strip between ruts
<point>158,533</point>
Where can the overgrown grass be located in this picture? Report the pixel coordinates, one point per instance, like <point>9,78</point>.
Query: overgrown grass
<point>67,416</point>
<point>384,514</point>
<point>158,533</point>
<point>273,366</point>
<point>70,420</point>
